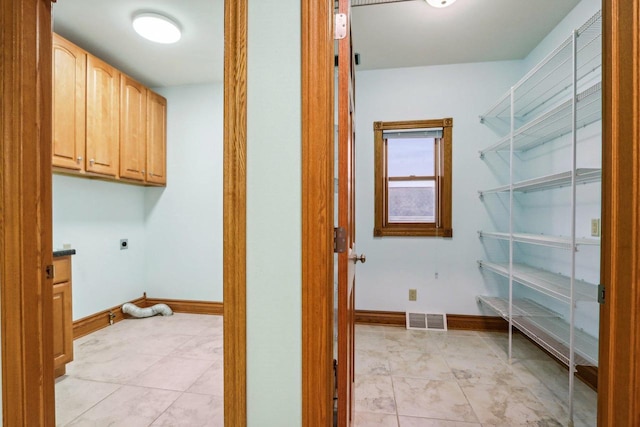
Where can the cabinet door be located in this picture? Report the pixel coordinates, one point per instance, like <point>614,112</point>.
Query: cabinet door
<point>156,139</point>
<point>62,325</point>
<point>69,85</point>
<point>103,94</point>
<point>133,128</point>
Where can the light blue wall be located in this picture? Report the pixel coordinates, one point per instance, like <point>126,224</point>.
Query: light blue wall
<point>464,91</point>
<point>574,20</point>
<point>396,264</point>
<point>175,233</point>
<point>93,216</point>
<point>549,212</point>
<point>274,215</point>
<point>183,222</point>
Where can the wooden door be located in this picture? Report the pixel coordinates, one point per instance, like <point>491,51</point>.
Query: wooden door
<point>346,221</point>
<point>156,139</point>
<point>133,129</point>
<point>69,85</point>
<point>103,117</point>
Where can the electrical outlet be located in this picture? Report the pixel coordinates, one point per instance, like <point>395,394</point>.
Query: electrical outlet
<point>413,294</point>
<point>124,244</point>
<point>595,227</point>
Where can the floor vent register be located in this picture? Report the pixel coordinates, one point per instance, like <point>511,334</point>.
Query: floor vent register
<point>427,321</point>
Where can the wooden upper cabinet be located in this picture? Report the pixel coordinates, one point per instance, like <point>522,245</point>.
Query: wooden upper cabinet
<point>69,85</point>
<point>105,124</point>
<point>133,129</point>
<point>103,118</point>
<point>156,139</point>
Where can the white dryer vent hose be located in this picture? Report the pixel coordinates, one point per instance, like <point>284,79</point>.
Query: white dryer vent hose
<point>136,311</point>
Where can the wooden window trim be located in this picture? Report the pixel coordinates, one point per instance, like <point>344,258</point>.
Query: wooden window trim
<point>382,228</point>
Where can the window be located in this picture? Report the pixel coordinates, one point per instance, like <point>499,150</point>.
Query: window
<point>413,178</point>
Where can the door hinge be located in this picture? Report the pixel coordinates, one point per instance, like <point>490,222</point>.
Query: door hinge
<point>601,294</point>
<point>339,26</point>
<point>339,240</point>
<point>49,271</point>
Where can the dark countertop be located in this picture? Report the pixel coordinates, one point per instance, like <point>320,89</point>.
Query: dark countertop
<point>63,252</point>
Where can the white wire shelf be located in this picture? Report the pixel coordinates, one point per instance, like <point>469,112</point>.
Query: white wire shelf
<point>562,179</point>
<point>536,91</point>
<point>554,123</point>
<point>546,328</point>
<point>552,284</point>
<point>560,242</point>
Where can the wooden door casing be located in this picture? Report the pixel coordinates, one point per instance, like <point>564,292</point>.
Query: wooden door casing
<point>619,355</point>
<point>234,284</point>
<point>25,217</point>
<point>346,220</point>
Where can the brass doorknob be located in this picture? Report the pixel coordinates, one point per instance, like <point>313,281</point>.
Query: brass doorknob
<point>362,258</point>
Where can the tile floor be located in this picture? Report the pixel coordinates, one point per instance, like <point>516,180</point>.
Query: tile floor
<point>157,371</point>
<point>460,379</point>
<point>167,371</point>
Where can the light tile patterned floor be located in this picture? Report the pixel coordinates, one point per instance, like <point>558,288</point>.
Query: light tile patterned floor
<point>157,371</point>
<point>167,371</point>
<point>460,379</point>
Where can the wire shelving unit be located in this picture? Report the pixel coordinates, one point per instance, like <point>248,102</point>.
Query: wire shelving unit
<point>559,96</point>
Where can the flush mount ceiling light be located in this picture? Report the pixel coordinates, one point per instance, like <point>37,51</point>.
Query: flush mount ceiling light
<point>156,27</point>
<point>440,3</point>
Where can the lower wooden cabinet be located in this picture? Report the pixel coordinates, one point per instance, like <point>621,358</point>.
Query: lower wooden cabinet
<point>62,315</point>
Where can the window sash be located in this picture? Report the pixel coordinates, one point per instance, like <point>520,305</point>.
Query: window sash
<point>400,214</point>
<point>415,221</point>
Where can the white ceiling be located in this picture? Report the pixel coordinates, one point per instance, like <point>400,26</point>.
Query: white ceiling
<point>412,33</point>
<point>104,29</point>
<point>403,34</point>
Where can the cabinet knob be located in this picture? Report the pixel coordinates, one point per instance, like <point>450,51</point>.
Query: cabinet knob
<point>92,161</point>
<point>142,171</point>
<point>150,173</point>
<point>79,159</point>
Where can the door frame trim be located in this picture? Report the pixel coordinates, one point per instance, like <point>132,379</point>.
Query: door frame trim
<point>235,213</point>
<point>25,221</point>
<point>619,354</point>
<point>317,212</point>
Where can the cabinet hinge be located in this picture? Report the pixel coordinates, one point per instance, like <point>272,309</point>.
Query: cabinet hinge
<point>339,240</point>
<point>49,271</point>
<point>601,294</point>
<point>339,26</point>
